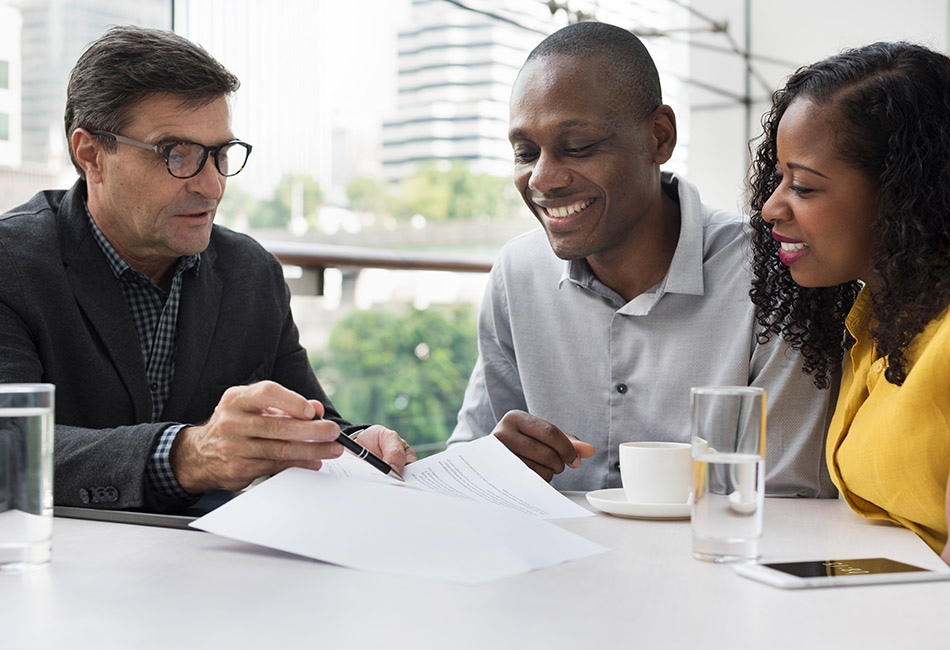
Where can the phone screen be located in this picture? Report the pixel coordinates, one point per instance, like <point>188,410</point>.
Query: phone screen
<point>837,573</point>
<point>843,568</point>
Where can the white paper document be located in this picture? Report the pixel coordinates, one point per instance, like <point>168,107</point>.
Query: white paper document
<point>470,514</point>
<point>482,470</point>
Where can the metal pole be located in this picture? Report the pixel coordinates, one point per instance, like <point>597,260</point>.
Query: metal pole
<point>748,81</point>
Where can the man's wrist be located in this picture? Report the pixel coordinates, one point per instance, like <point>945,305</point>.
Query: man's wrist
<point>159,470</point>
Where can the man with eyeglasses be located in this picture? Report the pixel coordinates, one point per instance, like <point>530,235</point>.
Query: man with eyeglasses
<point>170,340</point>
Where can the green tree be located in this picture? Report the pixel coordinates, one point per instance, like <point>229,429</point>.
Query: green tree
<point>408,372</point>
<point>277,210</point>
<point>427,192</point>
<point>368,194</point>
<point>236,206</point>
<point>457,193</point>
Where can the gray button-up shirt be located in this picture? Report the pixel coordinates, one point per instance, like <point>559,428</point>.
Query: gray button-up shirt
<point>556,342</point>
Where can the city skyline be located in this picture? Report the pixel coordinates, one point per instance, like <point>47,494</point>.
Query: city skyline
<point>350,51</point>
<point>50,36</point>
<point>307,76</point>
<point>319,81</point>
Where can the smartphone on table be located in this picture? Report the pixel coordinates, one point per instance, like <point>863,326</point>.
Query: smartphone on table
<point>837,573</point>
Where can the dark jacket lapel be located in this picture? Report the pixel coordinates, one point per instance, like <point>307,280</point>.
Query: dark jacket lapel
<point>99,296</point>
<point>197,321</point>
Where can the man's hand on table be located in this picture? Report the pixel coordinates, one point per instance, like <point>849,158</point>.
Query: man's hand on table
<point>542,446</point>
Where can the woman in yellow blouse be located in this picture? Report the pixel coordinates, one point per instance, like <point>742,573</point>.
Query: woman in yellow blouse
<point>851,215</point>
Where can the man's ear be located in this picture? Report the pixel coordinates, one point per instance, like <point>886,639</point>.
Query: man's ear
<point>88,153</point>
<point>664,133</point>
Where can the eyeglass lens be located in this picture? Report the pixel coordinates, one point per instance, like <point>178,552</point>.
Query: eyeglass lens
<point>187,159</point>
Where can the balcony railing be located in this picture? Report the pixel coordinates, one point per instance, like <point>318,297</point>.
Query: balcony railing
<point>316,258</point>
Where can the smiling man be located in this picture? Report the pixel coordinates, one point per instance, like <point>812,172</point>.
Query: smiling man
<point>170,340</point>
<point>595,326</point>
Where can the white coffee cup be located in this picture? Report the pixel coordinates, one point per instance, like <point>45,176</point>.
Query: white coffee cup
<point>656,472</point>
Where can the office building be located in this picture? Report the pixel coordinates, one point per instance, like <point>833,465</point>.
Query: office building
<point>456,68</point>
<point>55,32</point>
<point>457,64</point>
<point>40,41</point>
<point>316,76</point>
<point>10,97</point>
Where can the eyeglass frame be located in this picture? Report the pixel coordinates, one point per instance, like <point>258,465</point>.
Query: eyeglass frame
<point>165,150</point>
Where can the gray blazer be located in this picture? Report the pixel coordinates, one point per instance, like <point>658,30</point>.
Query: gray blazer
<point>64,320</point>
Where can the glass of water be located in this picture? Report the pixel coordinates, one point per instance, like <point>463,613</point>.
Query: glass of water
<point>26,476</point>
<point>728,441</point>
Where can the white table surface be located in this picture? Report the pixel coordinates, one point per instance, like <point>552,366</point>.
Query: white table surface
<point>127,586</point>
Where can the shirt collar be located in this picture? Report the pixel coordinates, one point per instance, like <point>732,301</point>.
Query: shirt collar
<point>686,268</point>
<point>858,321</point>
<point>117,263</point>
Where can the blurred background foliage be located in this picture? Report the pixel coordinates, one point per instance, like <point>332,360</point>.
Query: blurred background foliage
<point>406,371</point>
<point>436,191</point>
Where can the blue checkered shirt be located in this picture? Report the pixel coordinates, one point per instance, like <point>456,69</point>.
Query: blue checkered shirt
<point>156,323</point>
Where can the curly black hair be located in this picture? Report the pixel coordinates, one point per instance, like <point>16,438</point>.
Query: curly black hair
<point>892,103</point>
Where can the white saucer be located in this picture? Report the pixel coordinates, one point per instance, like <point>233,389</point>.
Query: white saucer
<point>614,501</point>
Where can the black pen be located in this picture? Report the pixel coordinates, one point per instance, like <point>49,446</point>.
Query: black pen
<point>365,453</point>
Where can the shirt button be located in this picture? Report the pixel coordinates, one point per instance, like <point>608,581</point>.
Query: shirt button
<point>878,366</point>
<point>154,385</point>
<point>621,388</point>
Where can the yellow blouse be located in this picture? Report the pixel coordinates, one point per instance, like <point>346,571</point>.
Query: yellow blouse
<point>888,447</point>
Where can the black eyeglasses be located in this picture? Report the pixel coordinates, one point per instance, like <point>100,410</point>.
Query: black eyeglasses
<point>187,159</point>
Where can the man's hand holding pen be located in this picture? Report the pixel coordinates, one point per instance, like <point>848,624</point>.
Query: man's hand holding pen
<point>262,429</point>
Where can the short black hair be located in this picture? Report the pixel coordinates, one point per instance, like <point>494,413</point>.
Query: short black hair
<point>129,64</point>
<point>634,72</point>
